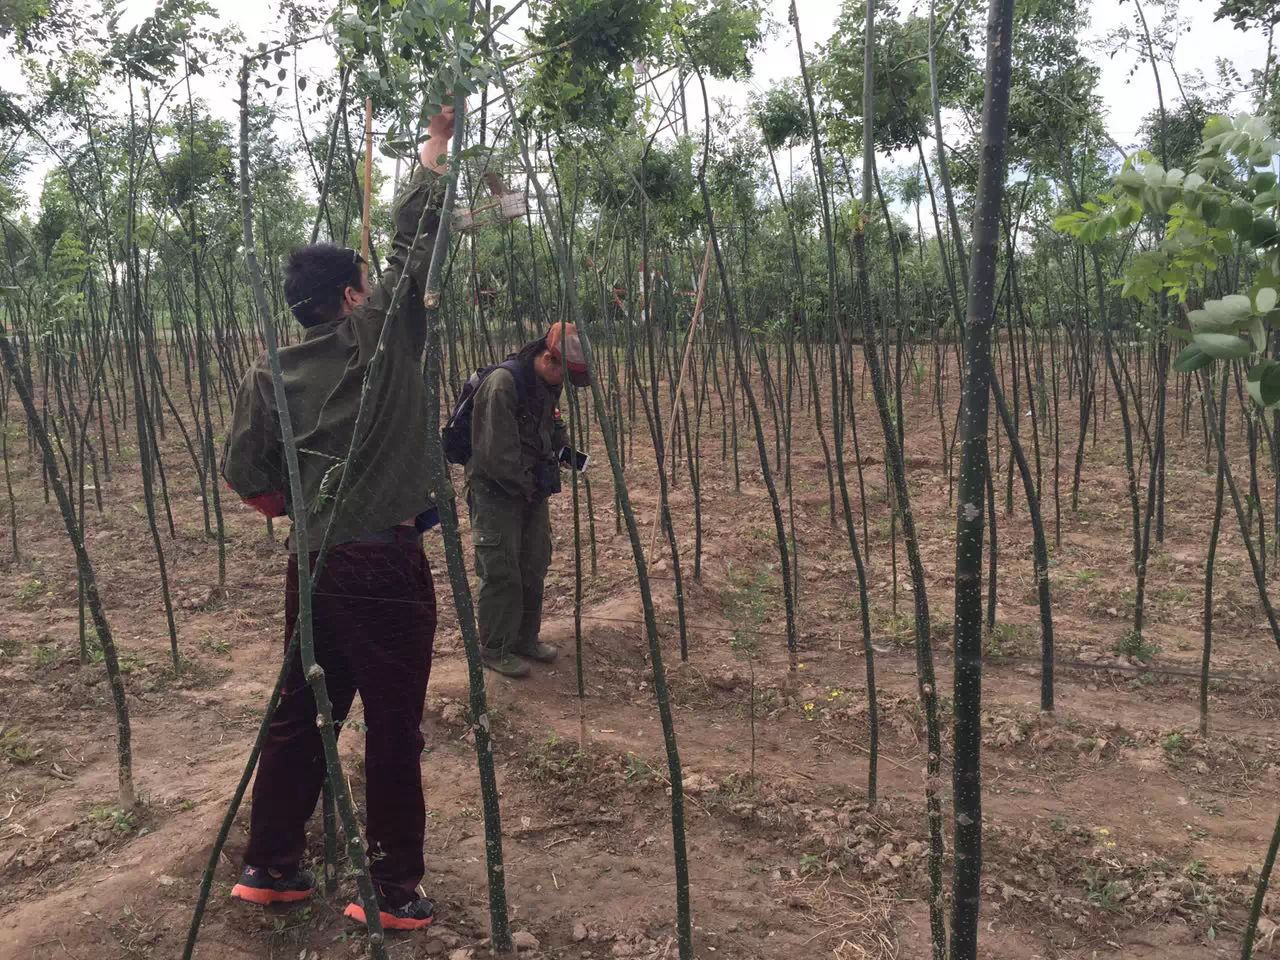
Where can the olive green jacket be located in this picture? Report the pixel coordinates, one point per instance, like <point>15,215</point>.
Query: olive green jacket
<point>508,443</point>
<point>324,377</point>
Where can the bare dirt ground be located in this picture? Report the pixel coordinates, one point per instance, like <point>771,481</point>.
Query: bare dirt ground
<point>1111,828</point>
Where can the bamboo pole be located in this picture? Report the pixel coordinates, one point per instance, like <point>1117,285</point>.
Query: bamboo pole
<point>684,371</point>
<point>368,176</point>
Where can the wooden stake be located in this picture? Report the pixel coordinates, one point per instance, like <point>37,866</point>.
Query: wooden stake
<point>684,370</point>
<point>368,175</point>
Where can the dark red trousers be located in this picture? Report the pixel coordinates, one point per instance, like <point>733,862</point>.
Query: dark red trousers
<point>374,620</point>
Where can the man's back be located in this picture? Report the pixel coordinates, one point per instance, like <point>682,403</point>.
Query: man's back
<point>325,376</point>
<point>511,432</point>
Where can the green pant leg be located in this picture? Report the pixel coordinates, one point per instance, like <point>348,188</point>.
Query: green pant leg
<point>535,559</point>
<point>497,534</point>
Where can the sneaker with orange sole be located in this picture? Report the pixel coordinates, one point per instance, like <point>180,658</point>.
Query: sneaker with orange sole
<point>264,886</point>
<point>413,915</point>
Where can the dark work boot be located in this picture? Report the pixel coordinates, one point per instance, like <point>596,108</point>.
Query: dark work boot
<point>537,650</point>
<point>503,663</point>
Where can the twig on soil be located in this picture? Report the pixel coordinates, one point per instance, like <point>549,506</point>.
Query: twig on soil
<point>603,820</point>
<point>857,746</point>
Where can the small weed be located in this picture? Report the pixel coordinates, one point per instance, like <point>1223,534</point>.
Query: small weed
<point>1058,825</point>
<point>638,769</point>
<point>1005,639</point>
<point>1196,869</point>
<point>44,654</point>
<point>292,920</point>
<point>30,592</point>
<point>127,662</point>
<point>898,629</point>
<point>1085,577</point>
<point>120,821</point>
<point>559,761</point>
<point>1101,892</point>
<point>218,646</point>
<point>737,784</point>
<point>1132,644</point>
<point>1174,746</point>
<point>15,747</point>
<point>809,864</point>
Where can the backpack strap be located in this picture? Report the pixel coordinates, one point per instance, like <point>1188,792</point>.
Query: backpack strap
<point>513,366</point>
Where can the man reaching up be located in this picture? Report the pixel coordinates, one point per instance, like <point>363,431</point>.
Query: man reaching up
<point>374,611</point>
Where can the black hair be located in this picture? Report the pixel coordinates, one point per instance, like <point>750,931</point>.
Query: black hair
<point>529,352</point>
<point>315,278</point>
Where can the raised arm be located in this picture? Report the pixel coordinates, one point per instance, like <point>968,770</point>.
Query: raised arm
<point>423,192</point>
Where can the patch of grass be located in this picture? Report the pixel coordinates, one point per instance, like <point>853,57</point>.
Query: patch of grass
<point>1100,891</point>
<point>294,919</point>
<point>128,662</point>
<point>1133,644</point>
<point>31,592</point>
<point>809,863</point>
<point>638,769</point>
<point>45,654</point>
<point>1085,577</point>
<point>1007,638</point>
<point>898,629</point>
<point>120,821</point>
<point>15,747</point>
<point>1173,594</point>
<point>559,761</point>
<point>1175,747</point>
<point>218,646</point>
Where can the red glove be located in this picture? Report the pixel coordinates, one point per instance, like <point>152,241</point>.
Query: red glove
<point>268,504</point>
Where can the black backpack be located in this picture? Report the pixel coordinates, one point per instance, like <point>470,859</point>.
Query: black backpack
<point>455,438</point>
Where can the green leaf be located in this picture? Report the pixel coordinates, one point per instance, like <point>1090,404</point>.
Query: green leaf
<point>1258,334</point>
<point>1227,315</point>
<point>1232,309</point>
<point>1263,381</point>
<point>1191,359</point>
<point>1130,179</point>
<point>1266,300</point>
<point>1263,232</point>
<point>1263,182</point>
<point>1221,346</point>
<point>1179,333</point>
<point>1238,219</point>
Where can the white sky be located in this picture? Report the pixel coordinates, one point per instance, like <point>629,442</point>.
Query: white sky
<point>1128,94</point>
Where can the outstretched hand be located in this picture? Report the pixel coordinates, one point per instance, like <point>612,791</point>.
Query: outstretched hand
<point>434,154</point>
